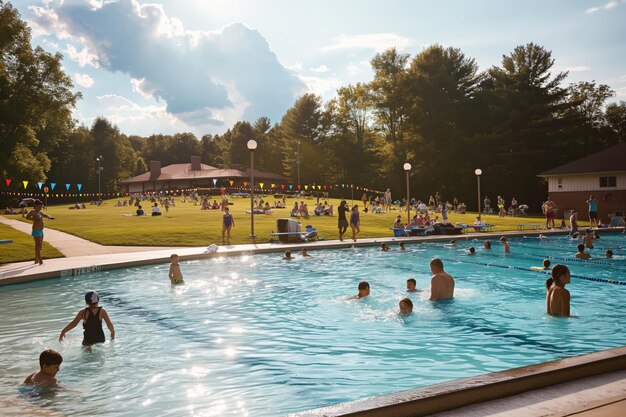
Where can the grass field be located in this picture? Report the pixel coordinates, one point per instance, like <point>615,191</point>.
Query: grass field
<point>187,225</point>
<point>23,247</point>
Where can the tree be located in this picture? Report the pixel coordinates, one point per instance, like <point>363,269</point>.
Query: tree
<point>616,118</point>
<point>35,100</point>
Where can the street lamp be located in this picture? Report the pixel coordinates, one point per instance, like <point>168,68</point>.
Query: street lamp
<point>99,158</point>
<point>478,173</point>
<point>407,168</point>
<point>252,146</point>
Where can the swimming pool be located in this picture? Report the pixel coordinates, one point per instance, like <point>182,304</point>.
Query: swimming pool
<point>257,336</point>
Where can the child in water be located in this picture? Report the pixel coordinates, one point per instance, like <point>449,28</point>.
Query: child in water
<point>92,317</point>
<point>176,276</point>
<point>505,245</point>
<point>49,364</point>
<point>406,306</point>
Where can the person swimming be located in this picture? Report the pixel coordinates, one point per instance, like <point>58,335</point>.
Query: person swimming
<point>545,267</point>
<point>406,306</point>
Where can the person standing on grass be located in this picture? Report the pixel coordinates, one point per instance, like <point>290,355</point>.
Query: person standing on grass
<point>227,223</point>
<point>355,221</point>
<point>37,217</point>
<point>342,221</point>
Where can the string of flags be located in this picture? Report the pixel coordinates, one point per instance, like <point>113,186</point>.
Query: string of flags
<point>53,189</point>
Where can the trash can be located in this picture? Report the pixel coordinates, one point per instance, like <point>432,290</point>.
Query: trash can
<point>288,226</point>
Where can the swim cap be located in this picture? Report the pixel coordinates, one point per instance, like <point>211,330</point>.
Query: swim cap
<point>91,297</point>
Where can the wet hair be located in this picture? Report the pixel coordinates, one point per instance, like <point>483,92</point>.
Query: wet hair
<point>609,253</point>
<point>436,262</point>
<point>581,247</point>
<point>288,253</point>
<point>172,256</point>
<point>50,357</point>
<point>402,244</point>
<point>487,244</point>
<point>408,302</point>
<point>412,280</point>
<point>503,239</point>
<point>363,285</point>
<point>472,250</point>
<point>557,272</point>
<point>546,263</point>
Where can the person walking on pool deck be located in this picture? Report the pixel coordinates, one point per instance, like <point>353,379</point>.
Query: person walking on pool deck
<point>549,208</point>
<point>355,221</point>
<point>593,211</point>
<point>37,217</point>
<point>92,317</point>
<point>342,221</point>
<point>557,297</point>
<point>49,364</point>
<point>441,283</point>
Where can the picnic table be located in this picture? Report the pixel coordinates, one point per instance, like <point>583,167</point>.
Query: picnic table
<point>528,226</point>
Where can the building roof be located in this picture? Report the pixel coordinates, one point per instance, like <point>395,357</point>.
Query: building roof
<point>609,160</point>
<point>184,172</point>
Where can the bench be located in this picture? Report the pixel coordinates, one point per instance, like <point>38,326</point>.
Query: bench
<point>528,226</point>
<point>478,227</point>
<point>5,242</point>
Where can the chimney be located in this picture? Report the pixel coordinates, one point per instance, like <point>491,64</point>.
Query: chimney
<point>155,170</point>
<point>196,165</point>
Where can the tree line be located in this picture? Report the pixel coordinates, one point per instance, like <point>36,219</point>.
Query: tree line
<point>435,110</point>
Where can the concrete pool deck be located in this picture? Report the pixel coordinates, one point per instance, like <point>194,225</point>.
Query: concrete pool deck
<point>596,395</point>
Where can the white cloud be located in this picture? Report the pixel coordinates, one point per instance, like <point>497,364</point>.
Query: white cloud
<point>579,68</point>
<point>376,41</point>
<point>355,68</point>
<point>141,87</point>
<point>322,68</point>
<point>325,87</point>
<point>84,57</point>
<point>83,80</point>
<point>620,92</point>
<point>295,67</point>
<point>608,6</point>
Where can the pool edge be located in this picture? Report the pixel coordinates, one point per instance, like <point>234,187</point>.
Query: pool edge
<point>463,392</point>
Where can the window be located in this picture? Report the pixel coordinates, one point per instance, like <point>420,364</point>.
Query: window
<point>559,183</point>
<point>606,182</point>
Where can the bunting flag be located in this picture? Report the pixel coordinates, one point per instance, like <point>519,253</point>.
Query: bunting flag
<point>39,184</point>
<point>79,186</point>
<point>273,185</point>
<point>298,186</point>
<point>8,181</point>
<point>261,185</point>
<point>282,186</point>
<point>25,184</point>
<point>214,182</point>
<point>231,182</point>
<point>52,185</point>
<point>291,186</point>
<point>306,187</point>
<point>245,184</point>
<point>67,187</point>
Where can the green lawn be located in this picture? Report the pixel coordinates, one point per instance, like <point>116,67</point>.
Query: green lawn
<point>187,225</point>
<point>23,247</point>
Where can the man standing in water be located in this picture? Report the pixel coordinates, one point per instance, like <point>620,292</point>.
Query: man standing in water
<point>441,283</point>
<point>342,221</point>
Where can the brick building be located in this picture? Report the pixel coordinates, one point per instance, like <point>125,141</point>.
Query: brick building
<point>602,174</point>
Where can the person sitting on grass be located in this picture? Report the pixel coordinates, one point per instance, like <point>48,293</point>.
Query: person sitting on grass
<point>156,211</point>
<point>581,254</point>
<point>139,211</point>
<point>49,364</point>
<point>398,223</point>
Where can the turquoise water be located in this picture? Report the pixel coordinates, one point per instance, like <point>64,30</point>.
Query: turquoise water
<point>257,336</point>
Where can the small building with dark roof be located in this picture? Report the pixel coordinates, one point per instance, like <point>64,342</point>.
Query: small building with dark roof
<point>602,174</point>
<point>193,175</point>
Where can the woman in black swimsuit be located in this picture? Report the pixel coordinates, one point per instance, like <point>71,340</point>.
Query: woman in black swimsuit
<point>92,317</point>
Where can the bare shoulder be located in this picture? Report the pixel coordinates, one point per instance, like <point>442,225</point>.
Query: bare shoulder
<point>29,378</point>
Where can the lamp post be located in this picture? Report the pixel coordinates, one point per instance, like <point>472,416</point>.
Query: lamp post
<point>99,158</point>
<point>407,168</point>
<point>252,146</point>
<point>478,173</point>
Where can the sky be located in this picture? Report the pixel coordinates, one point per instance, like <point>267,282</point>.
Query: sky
<point>199,66</point>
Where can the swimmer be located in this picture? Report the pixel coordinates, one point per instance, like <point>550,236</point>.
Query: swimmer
<point>364,291</point>
<point>581,254</point>
<point>384,247</point>
<point>505,245</point>
<point>452,244</point>
<point>92,317</point>
<point>176,276</point>
<point>487,245</point>
<point>402,246</point>
<point>557,297</point>
<point>305,254</point>
<point>472,251</point>
<point>406,307</point>
<point>588,240</point>
<point>441,283</point>
<point>411,283</point>
<point>545,267</point>
<point>49,364</point>
<point>288,256</point>
<point>608,253</point>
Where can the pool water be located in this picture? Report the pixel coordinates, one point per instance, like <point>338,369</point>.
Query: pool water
<point>258,336</point>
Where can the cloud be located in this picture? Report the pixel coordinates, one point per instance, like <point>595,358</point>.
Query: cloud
<point>607,6</point>
<point>376,41</point>
<point>579,68</point>
<point>320,69</point>
<point>211,74</point>
<point>83,80</point>
<point>321,86</point>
